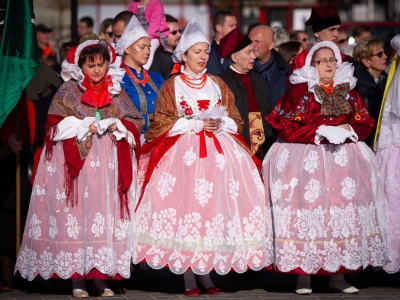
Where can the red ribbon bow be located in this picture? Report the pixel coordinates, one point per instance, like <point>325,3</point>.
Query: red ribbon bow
<point>203,147</point>
<point>176,69</point>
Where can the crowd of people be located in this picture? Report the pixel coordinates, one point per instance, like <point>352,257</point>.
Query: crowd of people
<point>164,149</point>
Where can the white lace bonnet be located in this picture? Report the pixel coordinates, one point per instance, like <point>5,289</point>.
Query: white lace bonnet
<point>71,68</point>
<point>132,33</point>
<point>192,35</point>
<point>309,74</point>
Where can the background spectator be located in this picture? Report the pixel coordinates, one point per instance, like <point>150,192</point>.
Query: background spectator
<point>85,26</point>
<point>223,23</point>
<point>360,32</point>
<point>105,30</point>
<point>300,36</point>
<point>289,50</point>
<point>280,36</point>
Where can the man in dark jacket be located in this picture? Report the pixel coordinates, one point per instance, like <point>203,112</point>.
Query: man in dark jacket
<point>251,95</point>
<point>371,63</point>
<point>269,63</point>
<point>224,22</point>
<point>163,63</point>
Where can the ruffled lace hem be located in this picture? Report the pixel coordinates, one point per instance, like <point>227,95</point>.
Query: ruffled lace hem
<point>203,262</point>
<point>67,265</point>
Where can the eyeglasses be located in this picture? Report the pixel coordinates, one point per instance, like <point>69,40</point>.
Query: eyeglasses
<point>325,61</point>
<point>176,31</point>
<point>379,54</point>
<point>109,34</point>
<point>117,36</point>
<point>341,41</point>
<point>304,40</point>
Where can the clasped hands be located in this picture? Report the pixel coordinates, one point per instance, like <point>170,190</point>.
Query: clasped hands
<point>212,125</point>
<point>93,129</point>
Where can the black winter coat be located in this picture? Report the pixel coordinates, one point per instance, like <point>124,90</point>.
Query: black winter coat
<point>162,63</point>
<point>214,65</point>
<point>371,94</point>
<point>241,102</point>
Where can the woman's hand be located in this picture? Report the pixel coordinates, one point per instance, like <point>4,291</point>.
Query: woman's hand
<point>93,128</point>
<point>212,125</point>
<point>14,145</point>
<point>113,127</point>
<point>345,126</point>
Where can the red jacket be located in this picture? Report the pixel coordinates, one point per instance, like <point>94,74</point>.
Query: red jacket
<point>297,116</point>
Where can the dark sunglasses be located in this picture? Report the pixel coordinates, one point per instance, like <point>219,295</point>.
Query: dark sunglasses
<point>109,34</point>
<point>304,39</point>
<point>379,54</point>
<point>176,31</point>
<point>341,41</point>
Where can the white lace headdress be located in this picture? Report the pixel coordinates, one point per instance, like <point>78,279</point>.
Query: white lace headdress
<point>132,33</point>
<point>192,35</point>
<point>390,128</point>
<point>70,65</point>
<point>309,74</point>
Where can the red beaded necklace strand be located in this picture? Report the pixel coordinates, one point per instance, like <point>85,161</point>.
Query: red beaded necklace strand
<point>193,82</point>
<point>133,77</point>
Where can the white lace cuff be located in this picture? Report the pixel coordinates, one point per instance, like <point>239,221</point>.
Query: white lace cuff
<point>184,125</point>
<point>354,136</point>
<point>335,134</point>
<point>318,138</point>
<point>195,125</point>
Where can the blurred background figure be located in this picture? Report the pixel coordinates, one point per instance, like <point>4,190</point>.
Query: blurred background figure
<point>151,16</point>
<point>280,36</point>
<point>85,26</point>
<point>175,33</point>
<point>269,63</point>
<point>47,55</point>
<point>251,26</point>
<point>343,39</point>
<point>163,63</point>
<point>371,64</point>
<point>347,50</point>
<point>105,30</point>
<point>360,32</point>
<point>119,23</point>
<point>223,23</point>
<point>300,36</point>
<point>289,50</point>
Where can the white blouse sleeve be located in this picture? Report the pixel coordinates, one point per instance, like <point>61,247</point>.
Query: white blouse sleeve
<point>184,125</point>
<point>70,127</point>
<point>228,125</point>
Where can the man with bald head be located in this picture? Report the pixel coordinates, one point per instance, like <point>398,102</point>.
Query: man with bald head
<point>269,63</point>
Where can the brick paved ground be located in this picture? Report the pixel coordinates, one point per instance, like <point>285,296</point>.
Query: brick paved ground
<point>372,285</point>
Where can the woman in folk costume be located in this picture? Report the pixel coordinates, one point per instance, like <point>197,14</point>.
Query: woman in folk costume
<point>388,155</point>
<point>78,224</point>
<point>329,208</point>
<point>202,202</point>
<point>141,85</point>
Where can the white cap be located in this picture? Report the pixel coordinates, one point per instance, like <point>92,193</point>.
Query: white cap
<point>132,33</point>
<point>192,35</point>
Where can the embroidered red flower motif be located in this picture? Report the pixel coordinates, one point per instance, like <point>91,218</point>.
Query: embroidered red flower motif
<point>188,111</point>
<point>183,103</point>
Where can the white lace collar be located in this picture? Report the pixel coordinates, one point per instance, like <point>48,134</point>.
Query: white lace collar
<point>191,75</point>
<point>309,74</point>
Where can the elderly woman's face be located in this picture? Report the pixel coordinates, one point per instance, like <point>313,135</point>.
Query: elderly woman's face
<point>196,58</point>
<point>325,62</point>
<point>96,69</point>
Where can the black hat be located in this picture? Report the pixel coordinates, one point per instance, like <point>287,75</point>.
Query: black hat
<point>43,28</point>
<point>323,17</point>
